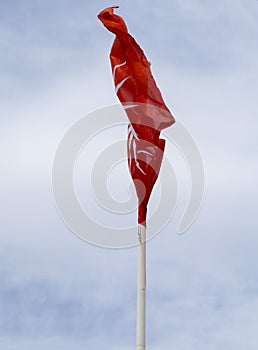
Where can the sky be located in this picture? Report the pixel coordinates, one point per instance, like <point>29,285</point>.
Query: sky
<point>59,292</point>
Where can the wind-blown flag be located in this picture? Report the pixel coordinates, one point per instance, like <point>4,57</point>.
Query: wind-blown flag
<point>148,115</point>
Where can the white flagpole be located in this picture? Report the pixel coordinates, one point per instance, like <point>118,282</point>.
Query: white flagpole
<point>141,290</point>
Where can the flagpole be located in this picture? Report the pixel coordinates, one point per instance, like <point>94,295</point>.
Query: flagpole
<point>141,290</point>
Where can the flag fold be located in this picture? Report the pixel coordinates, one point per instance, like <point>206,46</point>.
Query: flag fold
<point>143,103</point>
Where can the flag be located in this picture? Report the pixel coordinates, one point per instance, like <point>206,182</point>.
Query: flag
<point>143,103</point>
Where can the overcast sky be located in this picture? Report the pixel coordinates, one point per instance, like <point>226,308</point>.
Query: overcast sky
<point>58,292</point>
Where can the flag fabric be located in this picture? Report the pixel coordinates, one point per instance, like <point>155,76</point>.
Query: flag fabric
<point>143,103</point>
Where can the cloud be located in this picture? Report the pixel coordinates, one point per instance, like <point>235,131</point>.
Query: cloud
<point>59,292</point>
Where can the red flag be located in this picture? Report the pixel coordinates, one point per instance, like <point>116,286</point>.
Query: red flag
<point>144,106</point>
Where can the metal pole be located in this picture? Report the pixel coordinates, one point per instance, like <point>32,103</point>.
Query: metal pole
<point>141,290</point>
